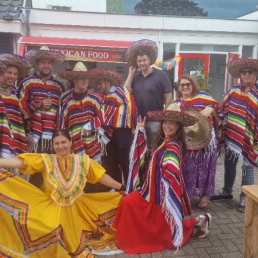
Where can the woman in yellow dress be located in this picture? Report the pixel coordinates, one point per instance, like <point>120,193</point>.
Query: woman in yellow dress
<point>60,220</point>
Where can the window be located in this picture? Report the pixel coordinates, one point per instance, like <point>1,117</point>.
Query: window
<point>59,7</point>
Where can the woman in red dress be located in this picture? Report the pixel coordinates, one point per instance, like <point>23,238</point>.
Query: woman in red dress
<point>152,217</point>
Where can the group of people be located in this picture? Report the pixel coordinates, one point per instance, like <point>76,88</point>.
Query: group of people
<point>133,138</point>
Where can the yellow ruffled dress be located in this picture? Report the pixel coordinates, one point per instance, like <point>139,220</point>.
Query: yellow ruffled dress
<point>60,220</point>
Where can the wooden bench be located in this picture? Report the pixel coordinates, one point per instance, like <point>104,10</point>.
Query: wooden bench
<point>251,221</point>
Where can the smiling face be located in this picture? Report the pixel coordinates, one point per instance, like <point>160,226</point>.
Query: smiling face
<point>62,145</point>
<point>248,76</point>
<point>45,67</point>
<point>185,88</point>
<point>10,76</point>
<point>143,62</point>
<point>169,128</point>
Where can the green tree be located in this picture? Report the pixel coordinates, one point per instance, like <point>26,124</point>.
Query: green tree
<point>169,7</point>
<point>115,6</point>
<point>202,78</point>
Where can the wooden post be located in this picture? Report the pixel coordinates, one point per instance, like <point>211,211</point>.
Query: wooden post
<point>251,221</point>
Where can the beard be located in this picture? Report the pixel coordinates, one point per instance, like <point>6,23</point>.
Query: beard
<point>44,74</point>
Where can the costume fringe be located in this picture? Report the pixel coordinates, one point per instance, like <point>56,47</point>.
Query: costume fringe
<point>173,216</point>
<point>134,160</point>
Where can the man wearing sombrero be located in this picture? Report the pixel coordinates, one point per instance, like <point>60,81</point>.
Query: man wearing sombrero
<point>151,87</point>
<point>79,106</point>
<point>13,137</point>
<point>39,100</point>
<point>119,115</point>
<point>239,132</point>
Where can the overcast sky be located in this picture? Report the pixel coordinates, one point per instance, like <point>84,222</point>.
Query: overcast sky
<point>217,8</point>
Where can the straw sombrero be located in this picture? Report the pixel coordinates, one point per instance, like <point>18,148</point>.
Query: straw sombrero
<point>173,112</point>
<point>22,63</point>
<point>99,74</point>
<point>79,71</point>
<point>236,65</point>
<point>44,52</point>
<point>3,67</point>
<point>198,135</point>
<point>144,45</point>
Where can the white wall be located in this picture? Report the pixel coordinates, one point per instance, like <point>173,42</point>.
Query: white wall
<point>250,16</point>
<point>77,5</point>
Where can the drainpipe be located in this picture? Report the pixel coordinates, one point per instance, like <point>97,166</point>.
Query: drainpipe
<point>27,21</point>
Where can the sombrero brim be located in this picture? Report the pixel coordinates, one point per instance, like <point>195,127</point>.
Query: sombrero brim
<point>236,65</point>
<point>36,54</point>
<point>179,116</point>
<point>113,77</point>
<point>3,67</point>
<point>71,75</point>
<point>145,45</point>
<point>22,63</point>
<point>203,136</point>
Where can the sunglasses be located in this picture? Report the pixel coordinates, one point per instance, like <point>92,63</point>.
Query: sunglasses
<point>185,84</point>
<point>247,71</point>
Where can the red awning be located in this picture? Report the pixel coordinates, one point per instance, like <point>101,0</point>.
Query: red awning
<point>75,42</point>
<point>71,45</point>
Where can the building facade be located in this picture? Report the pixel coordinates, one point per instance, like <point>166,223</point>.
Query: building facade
<point>100,39</point>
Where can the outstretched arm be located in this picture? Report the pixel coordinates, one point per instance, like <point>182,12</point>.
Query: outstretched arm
<point>110,182</point>
<point>12,162</point>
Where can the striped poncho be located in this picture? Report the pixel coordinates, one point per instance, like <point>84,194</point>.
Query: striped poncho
<point>119,110</point>
<point>13,139</point>
<point>40,123</point>
<point>74,114</point>
<point>200,101</point>
<point>239,118</point>
<point>164,185</point>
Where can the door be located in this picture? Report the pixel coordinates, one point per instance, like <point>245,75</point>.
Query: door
<point>189,61</point>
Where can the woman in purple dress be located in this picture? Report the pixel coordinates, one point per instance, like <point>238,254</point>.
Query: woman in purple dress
<point>199,166</point>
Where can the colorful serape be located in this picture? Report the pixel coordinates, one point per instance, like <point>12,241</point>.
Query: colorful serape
<point>74,114</point>
<point>13,137</point>
<point>40,123</point>
<point>239,118</point>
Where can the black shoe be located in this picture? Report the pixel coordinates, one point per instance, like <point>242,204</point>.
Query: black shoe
<point>221,197</point>
<point>241,206</point>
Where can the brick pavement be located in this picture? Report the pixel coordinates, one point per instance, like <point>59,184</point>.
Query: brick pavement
<point>226,231</point>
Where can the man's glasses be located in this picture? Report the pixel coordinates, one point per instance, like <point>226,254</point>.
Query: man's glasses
<point>185,84</point>
<point>247,71</point>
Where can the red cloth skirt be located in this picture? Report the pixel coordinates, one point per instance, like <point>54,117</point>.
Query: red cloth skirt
<point>141,226</point>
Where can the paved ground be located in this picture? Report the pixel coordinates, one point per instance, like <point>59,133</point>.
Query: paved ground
<point>226,231</point>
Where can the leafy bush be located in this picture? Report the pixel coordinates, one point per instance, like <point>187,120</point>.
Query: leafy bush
<point>202,78</point>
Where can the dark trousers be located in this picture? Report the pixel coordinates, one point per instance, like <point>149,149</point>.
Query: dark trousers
<point>116,160</point>
<point>230,164</point>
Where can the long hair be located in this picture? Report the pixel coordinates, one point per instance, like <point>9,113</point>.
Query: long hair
<point>192,80</point>
<point>61,132</point>
<point>179,136</point>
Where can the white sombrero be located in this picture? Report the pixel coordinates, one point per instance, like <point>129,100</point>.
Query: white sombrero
<point>79,71</point>
<point>44,53</point>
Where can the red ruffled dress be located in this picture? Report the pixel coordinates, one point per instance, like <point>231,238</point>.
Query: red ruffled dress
<point>151,218</point>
